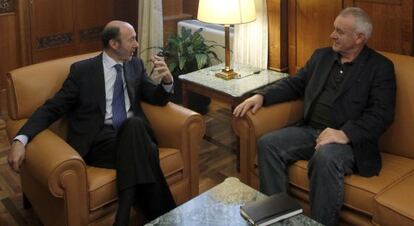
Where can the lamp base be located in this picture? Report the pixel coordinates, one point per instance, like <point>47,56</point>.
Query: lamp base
<point>227,75</point>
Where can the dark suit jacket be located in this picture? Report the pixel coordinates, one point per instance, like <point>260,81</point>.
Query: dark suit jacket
<point>82,99</point>
<point>363,107</point>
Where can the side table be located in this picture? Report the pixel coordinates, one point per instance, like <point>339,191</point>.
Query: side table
<point>233,91</point>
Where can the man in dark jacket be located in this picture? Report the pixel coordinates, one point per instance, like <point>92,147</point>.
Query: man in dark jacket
<point>349,98</point>
<point>106,124</point>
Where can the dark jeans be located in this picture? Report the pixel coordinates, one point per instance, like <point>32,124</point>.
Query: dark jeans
<point>326,168</point>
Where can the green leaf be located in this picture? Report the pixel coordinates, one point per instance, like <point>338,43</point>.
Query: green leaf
<point>172,66</point>
<point>181,62</point>
<point>201,60</point>
<point>185,32</point>
<point>190,50</point>
<point>187,52</point>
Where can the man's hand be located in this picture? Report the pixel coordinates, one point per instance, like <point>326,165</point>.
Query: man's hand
<point>161,69</point>
<point>16,155</point>
<point>330,135</point>
<point>255,102</point>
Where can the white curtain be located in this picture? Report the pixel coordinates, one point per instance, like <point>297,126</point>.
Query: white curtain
<point>251,39</point>
<point>150,28</point>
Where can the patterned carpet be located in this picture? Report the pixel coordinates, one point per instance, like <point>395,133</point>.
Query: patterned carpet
<point>217,161</point>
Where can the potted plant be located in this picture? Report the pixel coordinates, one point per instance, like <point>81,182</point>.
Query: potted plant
<point>186,53</point>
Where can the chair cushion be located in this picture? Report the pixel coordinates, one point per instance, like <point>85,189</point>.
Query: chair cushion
<point>102,182</point>
<point>360,191</point>
<point>395,204</point>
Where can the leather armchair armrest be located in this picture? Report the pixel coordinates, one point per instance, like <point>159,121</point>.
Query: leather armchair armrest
<point>252,126</point>
<point>58,168</point>
<point>181,128</point>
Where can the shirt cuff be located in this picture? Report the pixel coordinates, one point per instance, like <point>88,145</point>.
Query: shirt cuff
<point>22,138</point>
<point>169,87</point>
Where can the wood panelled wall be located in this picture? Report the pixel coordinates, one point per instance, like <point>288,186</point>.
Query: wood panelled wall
<point>10,46</point>
<point>9,42</point>
<point>32,30</point>
<point>393,24</point>
<point>127,10</point>
<point>175,11</point>
<point>190,7</point>
<point>66,27</point>
<point>278,35</point>
<point>37,30</point>
<point>310,23</point>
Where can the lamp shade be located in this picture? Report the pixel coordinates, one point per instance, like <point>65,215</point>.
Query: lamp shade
<point>226,11</point>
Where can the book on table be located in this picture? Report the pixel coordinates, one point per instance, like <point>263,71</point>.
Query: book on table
<point>271,209</point>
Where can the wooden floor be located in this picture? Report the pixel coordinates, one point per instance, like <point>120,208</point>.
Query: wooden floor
<point>217,161</point>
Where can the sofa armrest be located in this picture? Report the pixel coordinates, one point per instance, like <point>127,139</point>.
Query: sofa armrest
<point>181,128</point>
<point>58,169</point>
<point>252,126</point>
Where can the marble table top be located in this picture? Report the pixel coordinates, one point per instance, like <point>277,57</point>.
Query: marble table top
<point>220,206</point>
<point>249,79</point>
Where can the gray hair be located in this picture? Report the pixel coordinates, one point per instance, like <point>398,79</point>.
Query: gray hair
<point>363,23</point>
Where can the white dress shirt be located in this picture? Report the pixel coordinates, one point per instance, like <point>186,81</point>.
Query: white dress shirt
<point>109,77</point>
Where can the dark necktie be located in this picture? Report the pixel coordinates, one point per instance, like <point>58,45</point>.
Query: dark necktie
<point>118,101</point>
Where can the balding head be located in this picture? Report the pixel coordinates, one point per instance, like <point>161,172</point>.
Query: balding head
<point>119,40</point>
<point>113,30</point>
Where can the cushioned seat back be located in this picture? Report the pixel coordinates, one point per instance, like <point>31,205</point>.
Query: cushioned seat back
<point>398,139</point>
<point>29,87</point>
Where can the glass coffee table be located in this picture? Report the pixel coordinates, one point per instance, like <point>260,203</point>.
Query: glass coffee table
<point>220,206</point>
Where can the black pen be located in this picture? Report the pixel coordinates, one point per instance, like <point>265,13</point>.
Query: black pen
<point>151,72</point>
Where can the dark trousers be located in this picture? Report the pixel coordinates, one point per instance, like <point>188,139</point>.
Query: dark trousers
<point>326,168</point>
<point>134,155</point>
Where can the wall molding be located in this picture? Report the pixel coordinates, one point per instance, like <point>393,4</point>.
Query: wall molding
<point>91,33</point>
<point>7,6</point>
<point>54,40</point>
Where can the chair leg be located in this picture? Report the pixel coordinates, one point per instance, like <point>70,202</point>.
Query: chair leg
<point>26,202</point>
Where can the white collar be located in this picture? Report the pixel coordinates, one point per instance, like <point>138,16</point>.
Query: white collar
<point>108,61</point>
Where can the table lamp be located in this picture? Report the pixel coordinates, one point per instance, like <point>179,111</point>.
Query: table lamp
<point>226,12</point>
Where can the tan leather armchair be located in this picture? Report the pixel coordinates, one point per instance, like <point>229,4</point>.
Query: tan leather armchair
<point>61,188</point>
<point>385,199</point>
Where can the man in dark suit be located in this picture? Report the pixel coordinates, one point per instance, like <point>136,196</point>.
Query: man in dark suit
<point>349,98</point>
<point>106,124</point>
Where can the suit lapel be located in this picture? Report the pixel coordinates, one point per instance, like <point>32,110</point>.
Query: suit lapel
<point>322,76</point>
<point>130,78</point>
<point>99,80</point>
